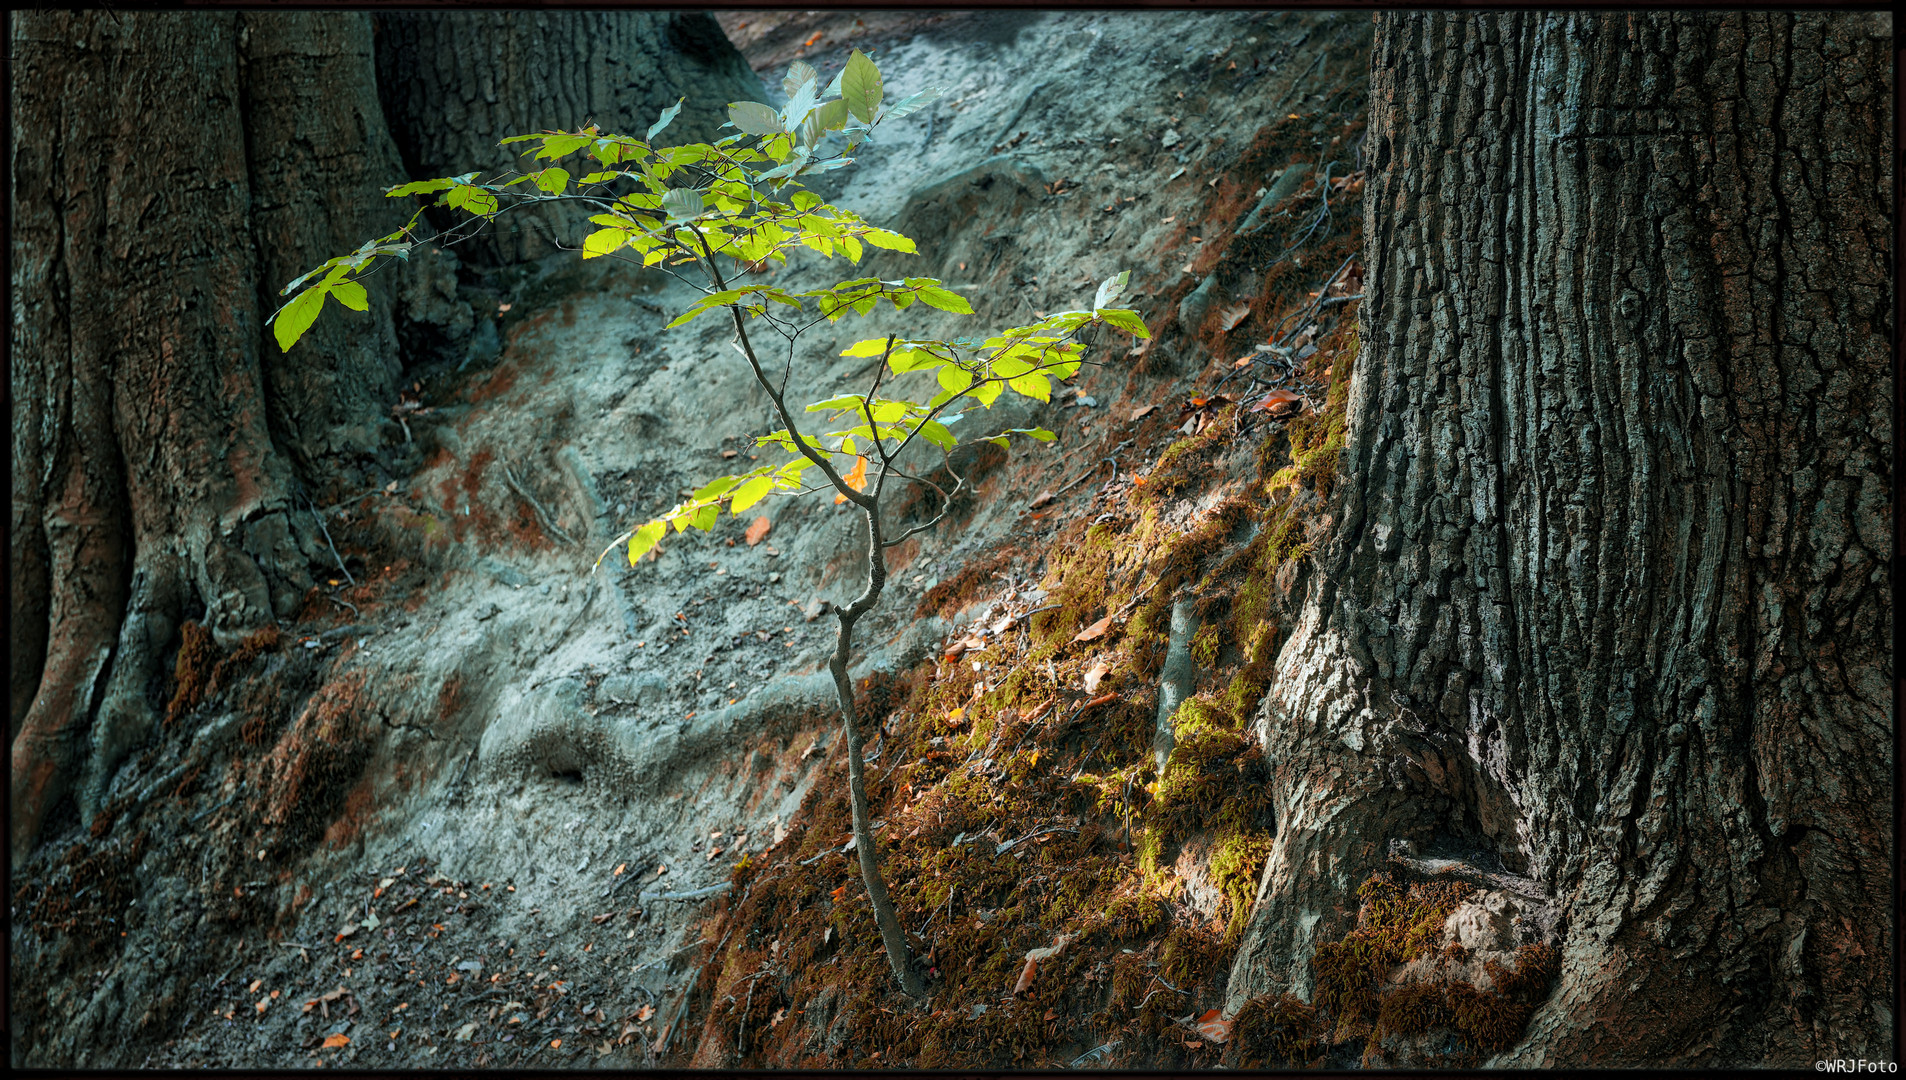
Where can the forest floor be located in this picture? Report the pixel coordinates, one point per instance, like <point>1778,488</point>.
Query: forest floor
<point>439,819</point>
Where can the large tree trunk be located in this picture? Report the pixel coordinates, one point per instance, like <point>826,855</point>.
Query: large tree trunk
<point>171,173</point>
<point>455,83</point>
<point>1607,599</point>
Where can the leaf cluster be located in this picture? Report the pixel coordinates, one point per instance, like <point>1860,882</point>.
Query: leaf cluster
<point>733,209</point>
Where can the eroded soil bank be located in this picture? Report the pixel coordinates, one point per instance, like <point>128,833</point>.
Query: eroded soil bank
<point>477,810</point>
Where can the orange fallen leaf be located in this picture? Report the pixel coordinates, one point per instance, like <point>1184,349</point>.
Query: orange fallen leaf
<point>644,1012</point>
<point>1214,1027</point>
<point>1279,403</point>
<point>1102,699</point>
<point>839,894</point>
<point>1242,363</point>
<point>729,453</point>
<point>1094,674</point>
<point>1096,630</point>
<point>618,871</point>
<point>812,38</point>
<point>555,1044</point>
<point>1025,977</point>
<point>758,531</point>
<point>453,977</point>
<point>856,478</point>
<point>1043,709</point>
<point>332,1042</point>
<point>255,984</point>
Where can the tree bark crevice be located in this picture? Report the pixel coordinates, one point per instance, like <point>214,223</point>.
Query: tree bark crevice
<point>1605,575</point>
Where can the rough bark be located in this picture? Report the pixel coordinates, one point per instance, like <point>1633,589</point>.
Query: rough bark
<point>141,370</point>
<point>454,83</point>
<point>1606,603</point>
<point>320,158</point>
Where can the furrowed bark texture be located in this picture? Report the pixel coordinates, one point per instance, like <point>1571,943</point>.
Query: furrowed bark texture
<point>1607,600</point>
<point>454,83</point>
<point>320,158</point>
<point>140,370</point>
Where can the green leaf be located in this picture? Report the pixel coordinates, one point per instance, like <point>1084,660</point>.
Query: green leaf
<point>646,538</point>
<point>423,187</point>
<point>554,180</point>
<point>800,103</point>
<point>799,72</point>
<point>987,392</point>
<point>931,294</point>
<point>1033,385</point>
<point>938,434</point>
<point>1127,321</point>
<point>845,401</point>
<point>667,117</point>
<point>832,115</point>
<point>682,204</point>
<point>351,295</point>
<point>704,518</point>
<point>1111,289</point>
<point>955,379</point>
<point>868,347</point>
<point>755,118</point>
<point>296,317</point>
<point>470,198</point>
<point>860,87</point>
<point>751,492</point>
<point>913,103</point>
<point>716,488</point>
<point>602,242</point>
<point>892,241</point>
<point>562,145</point>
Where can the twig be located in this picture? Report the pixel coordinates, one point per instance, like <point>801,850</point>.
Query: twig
<point>336,599</point>
<point>692,894</point>
<point>542,516</point>
<point>1010,844</point>
<point>662,1047</point>
<point>315,516</point>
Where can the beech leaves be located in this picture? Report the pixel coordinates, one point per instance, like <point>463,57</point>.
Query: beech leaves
<point>734,208</point>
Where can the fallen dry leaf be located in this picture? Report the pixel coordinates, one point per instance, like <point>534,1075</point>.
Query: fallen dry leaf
<point>1102,699</point>
<point>255,984</point>
<point>332,1042</point>
<point>1094,674</point>
<point>779,1015</point>
<point>1004,624</point>
<point>1041,499</point>
<point>1143,411</point>
<point>1096,630</point>
<point>467,1030</point>
<point>1058,946</point>
<point>839,894</point>
<point>644,1013</point>
<point>555,1044</point>
<point>1214,1027</point>
<point>758,531</point>
<point>603,918</point>
<point>1230,317</point>
<point>1025,977</point>
<point>712,852</point>
<point>1279,403</point>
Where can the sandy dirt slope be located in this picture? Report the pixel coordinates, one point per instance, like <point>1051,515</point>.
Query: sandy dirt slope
<point>417,830</point>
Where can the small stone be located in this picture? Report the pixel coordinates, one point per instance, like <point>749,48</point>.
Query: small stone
<point>774,579</point>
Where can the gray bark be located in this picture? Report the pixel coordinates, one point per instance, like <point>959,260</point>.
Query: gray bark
<point>1607,595</point>
<point>454,83</point>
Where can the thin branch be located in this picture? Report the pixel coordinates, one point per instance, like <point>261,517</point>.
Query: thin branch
<point>780,405</point>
